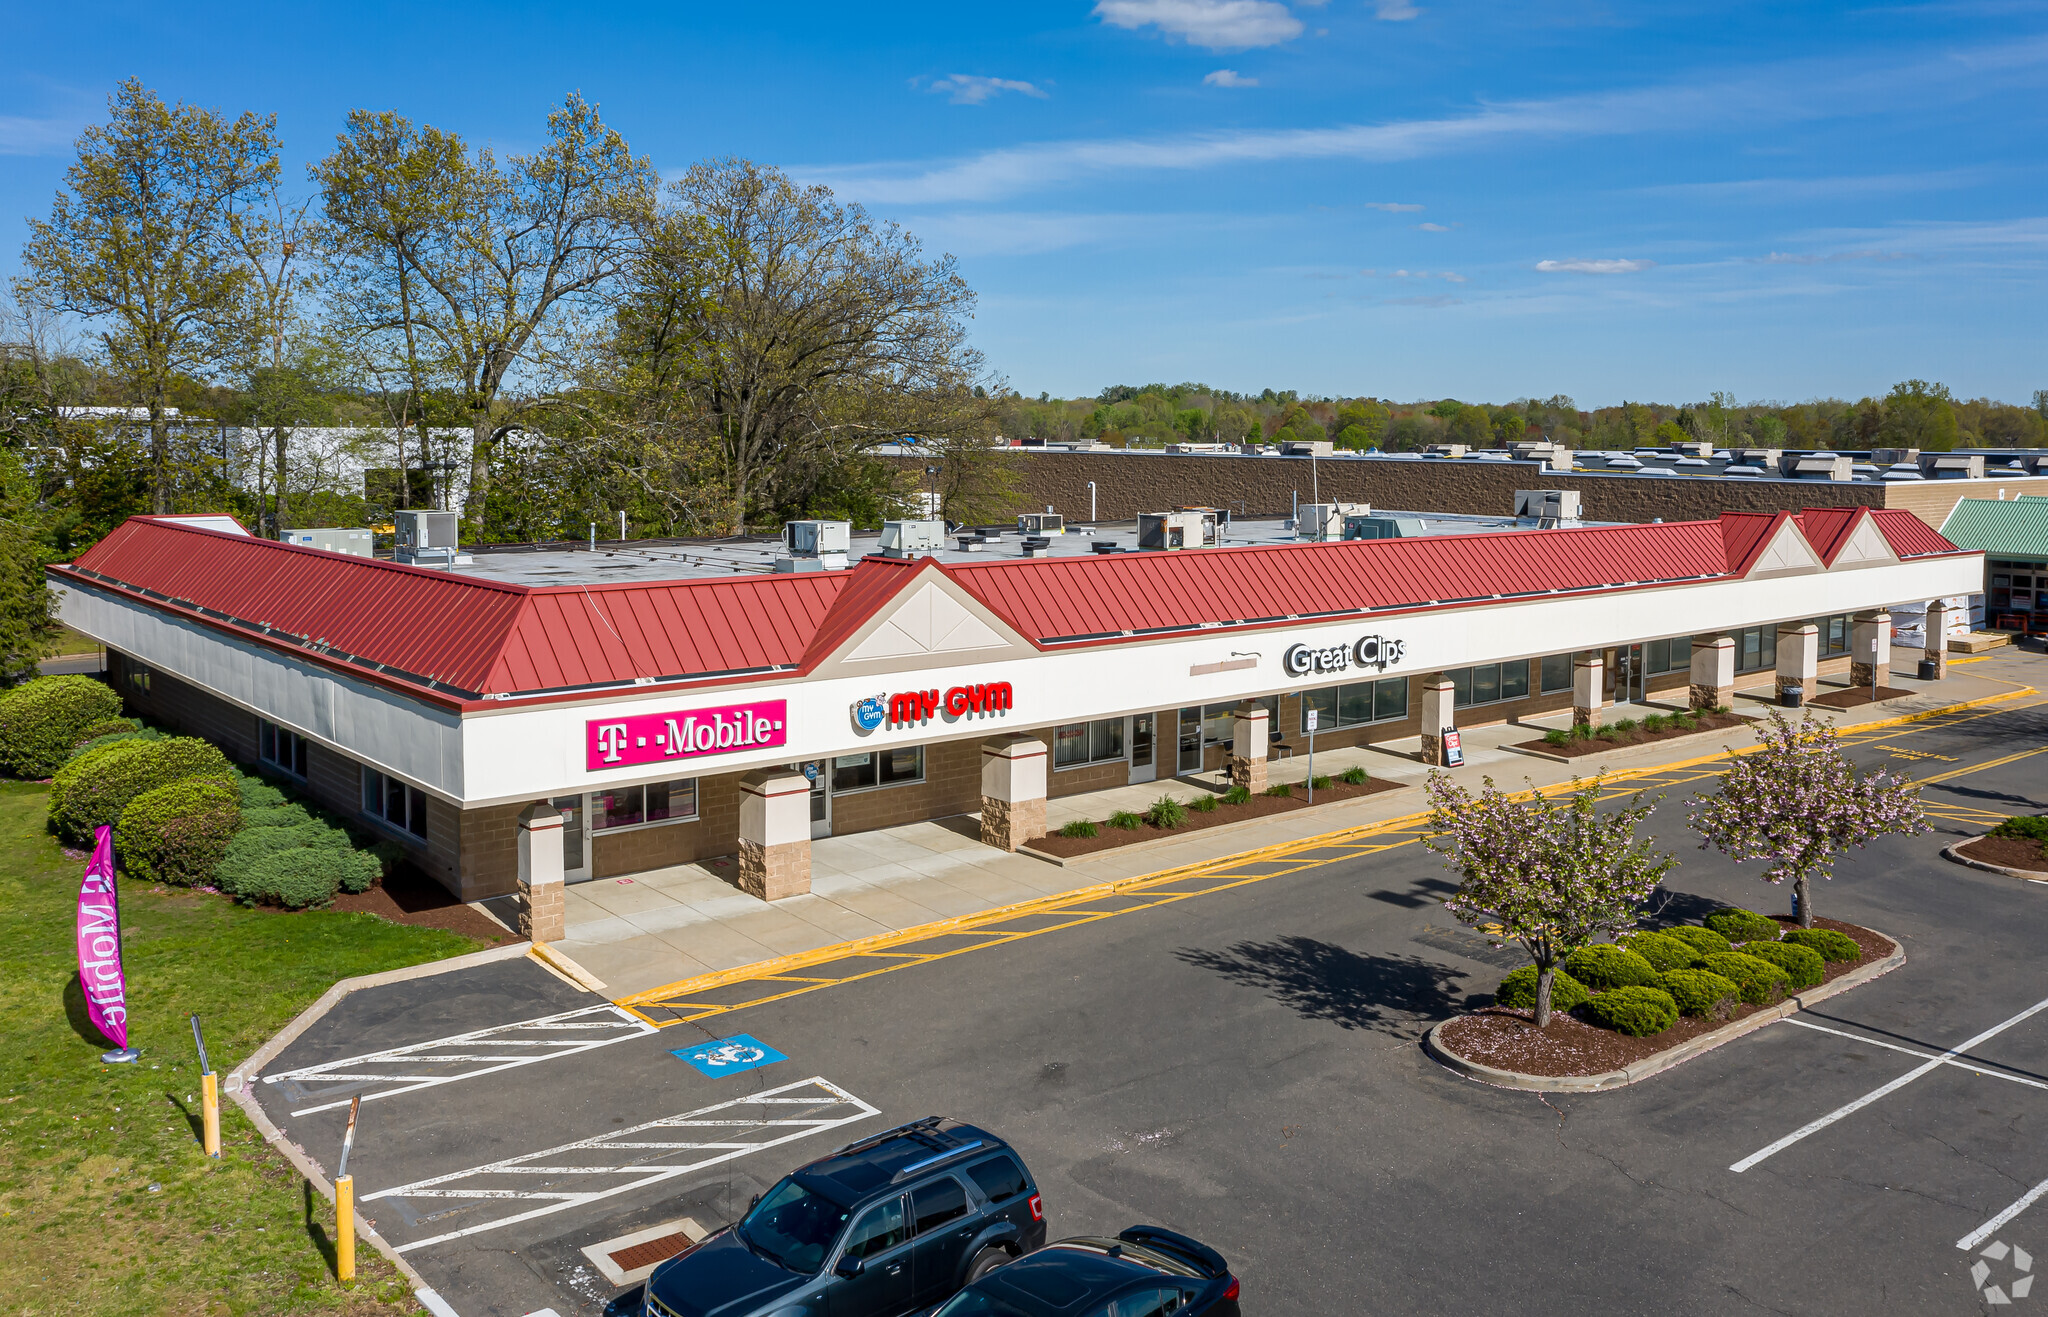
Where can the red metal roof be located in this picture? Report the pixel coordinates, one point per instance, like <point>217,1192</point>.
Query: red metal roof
<point>458,638</point>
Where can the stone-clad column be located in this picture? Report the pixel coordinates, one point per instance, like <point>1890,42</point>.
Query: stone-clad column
<point>1012,791</point>
<point>1439,714</point>
<point>1798,663</point>
<point>775,834</point>
<point>542,913</point>
<point>1870,650</point>
<point>1588,694</point>
<point>1713,671</point>
<point>1936,632</point>
<point>1248,740</point>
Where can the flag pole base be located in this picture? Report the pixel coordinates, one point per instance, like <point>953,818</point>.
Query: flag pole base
<point>121,1056</point>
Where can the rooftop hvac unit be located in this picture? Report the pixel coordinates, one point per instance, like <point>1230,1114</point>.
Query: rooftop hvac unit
<point>1370,527</point>
<point>1041,523</point>
<point>425,538</point>
<point>1952,466</point>
<point>1318,522</point>
<point>1176,530</point>
<point>1549,507</point>
<point>815,546</point>
<point>903,539</point>
<point>334,540</point>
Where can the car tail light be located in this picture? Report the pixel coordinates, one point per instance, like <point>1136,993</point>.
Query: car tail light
<point>1037,1208</point>
<point>1231,1293</point>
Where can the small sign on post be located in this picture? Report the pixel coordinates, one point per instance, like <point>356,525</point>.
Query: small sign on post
<point>1313,717</point>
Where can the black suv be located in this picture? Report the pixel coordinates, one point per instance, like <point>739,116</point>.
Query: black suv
<point>889,1224</point>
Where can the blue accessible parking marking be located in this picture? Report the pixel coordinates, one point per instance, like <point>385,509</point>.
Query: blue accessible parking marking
<point>729,1056</point>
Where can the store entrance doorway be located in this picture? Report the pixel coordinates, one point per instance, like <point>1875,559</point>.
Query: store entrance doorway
<point>1631,682</point>
<point>575,839</point>
<point>819,771</point>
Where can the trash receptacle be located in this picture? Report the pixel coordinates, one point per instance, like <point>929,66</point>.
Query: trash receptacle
<point>1791,697</point>
<point>1928,670</point>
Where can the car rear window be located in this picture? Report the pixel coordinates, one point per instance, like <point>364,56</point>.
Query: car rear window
<point>999,1177</point>
<point>936,1203</point>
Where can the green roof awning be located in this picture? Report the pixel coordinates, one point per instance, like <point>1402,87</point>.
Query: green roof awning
<point>2005,528</point>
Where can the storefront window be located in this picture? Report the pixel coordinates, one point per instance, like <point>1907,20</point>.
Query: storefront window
<point>880,768</point>
<point>1756,648</point>
<point>403,807</point>
<point>1355,704</point>
<point>654,802</point>
<point>281,748</point>
<point>1834,635</point>
<point>1667,655</point>
<point>1490,683</point>
<point>1557,672</point>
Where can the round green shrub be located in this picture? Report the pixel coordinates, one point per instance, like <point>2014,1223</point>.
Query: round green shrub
<point>1237,795</point>
<point>1743,925</point>
<point>1071,828</point>
<point>1831,945</point>
<point>1761,982</point>
<point>109,738</point>
<point>94,788</point>
<point>178,833</point>
<point>1203,804</point>
<point>104,727</point>
<point>42,719</point>
<point>1700,991</point>
<point>252,843</point>
<point>1802,965</point>
<point>296,879</point>
<point>1124,819</point>
<point>1278,789</point>
<point>1605,966</point>
<point>1166,812</point>
<point>1662,952</point>
<point>275,816</point>
<point>1518,991</point>
<point>1703,941</point>
<point>1635,1011</point>
<point>1354,775</point>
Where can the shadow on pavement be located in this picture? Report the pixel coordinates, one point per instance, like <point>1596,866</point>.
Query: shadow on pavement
<point>1396,995</point>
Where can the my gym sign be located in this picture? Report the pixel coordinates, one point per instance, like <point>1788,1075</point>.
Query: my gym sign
<point>1376,652</point>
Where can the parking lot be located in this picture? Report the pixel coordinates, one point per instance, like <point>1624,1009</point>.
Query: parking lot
<point>1234,1054</point>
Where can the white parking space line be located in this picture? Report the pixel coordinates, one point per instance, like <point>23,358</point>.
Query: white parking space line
<point>737,1127</point>
<point>1848,1109</point>
<point>1985,1231</point>
<point>415,1066</point>
<point>1911,1051</point>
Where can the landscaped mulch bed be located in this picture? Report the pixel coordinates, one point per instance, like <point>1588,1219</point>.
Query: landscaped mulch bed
<point>2009,852</point>
<point>1708,722</point>
<point>1509,1039</point>
<point>1258,807</point>
<point>1856,696</point>
<point>410,897</point>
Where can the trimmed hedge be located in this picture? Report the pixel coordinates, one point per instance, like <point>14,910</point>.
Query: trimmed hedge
<point>1743,925</point>
<point>1518,991</point>
<point>1701,991</point>
<point>289,815</point>
<point>110,738</point>
<point>233,875</point>
<point>1635,1011</point>
<point>1604,966</point>
<point>104,727</point>
<point>1663,953</point>
<point>1703,941</point>
<point>258,794</point>
<point>299,878</point>
<point>1802,964</point>
<point>42,719</point>
<point>178,833</point>
<point>95,787</point>
<point>1761,982</point>
<point>1831,945</point>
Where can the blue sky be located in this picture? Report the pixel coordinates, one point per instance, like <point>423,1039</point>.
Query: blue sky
<point>1409,198</point>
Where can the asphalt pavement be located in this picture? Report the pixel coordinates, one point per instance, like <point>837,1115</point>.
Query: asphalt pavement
<point>1238,1058</point>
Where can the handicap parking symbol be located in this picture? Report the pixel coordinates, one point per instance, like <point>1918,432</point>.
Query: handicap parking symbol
<point>730,1056</point>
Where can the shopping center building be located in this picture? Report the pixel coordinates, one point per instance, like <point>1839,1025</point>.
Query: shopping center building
<point>656,704</point>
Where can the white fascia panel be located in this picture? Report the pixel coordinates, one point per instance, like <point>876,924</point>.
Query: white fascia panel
<point>516,753</point>
<point>382,728</point>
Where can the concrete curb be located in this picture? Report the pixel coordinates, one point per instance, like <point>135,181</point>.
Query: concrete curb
<point>1636,1072</point>
<point>1954,855</point>
<point>1221,829</point>
<point>1624,749</point>
<point>238,1079</point>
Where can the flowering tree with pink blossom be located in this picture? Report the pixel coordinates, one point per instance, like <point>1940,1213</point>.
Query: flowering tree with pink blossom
<point>1550,873</point>
<point>1797,802</point>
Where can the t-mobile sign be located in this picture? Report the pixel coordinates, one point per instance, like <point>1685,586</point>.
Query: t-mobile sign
<point>652,738</point>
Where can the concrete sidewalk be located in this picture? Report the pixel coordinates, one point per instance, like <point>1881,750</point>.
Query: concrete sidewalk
<point>656,928</point>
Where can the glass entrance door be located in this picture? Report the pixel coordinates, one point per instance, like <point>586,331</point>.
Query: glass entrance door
<point>1190,741</point>
<point>1143,769</point>
<point>819,771</point>
<point>575,839</point>
<point>1630,682</point>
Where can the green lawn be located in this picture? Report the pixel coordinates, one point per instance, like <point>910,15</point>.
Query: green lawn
<point>106,1204</point>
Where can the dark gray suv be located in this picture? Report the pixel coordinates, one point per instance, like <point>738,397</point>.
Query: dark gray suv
<point>891,1224</point>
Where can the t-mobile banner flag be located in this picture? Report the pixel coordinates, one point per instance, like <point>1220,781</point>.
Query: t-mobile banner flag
<point>653,738</point>
<point>99,944</point>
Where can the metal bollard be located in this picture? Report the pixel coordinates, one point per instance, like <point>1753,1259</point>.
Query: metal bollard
<point>209,1097</point>
<point>345,1229</point>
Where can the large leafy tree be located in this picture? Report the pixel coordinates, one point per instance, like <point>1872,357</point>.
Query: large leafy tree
<point>1919,415</point>
<point>774,329</point>
<point>1552,873</point>
<point>141,243</point>
<point>1797,802</point>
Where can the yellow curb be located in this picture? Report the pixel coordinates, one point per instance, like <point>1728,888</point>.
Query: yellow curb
<point>782,965</point>
<point>566,967</point>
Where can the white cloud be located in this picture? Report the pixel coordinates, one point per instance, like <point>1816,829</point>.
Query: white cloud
<point>973,89</point>
<point>22,136</point>
<point>1213,24</point>
<point>1393,207</point>
<point>1828,258</point>
<point>1228,78</point>
<point>1593,267</point>
<point>1434,228</point>
<point>1394,11</point>
<point>1839,188</point>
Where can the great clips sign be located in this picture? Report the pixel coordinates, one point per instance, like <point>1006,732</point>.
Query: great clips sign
<point>654,738</point>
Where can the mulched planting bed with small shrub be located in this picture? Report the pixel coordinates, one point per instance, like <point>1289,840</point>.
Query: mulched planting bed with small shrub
<point>1108,836</point>
<point>1856,696</point>
<point>2020,842</point>
<point>1508,1039</point>
<point>1581,740</point>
